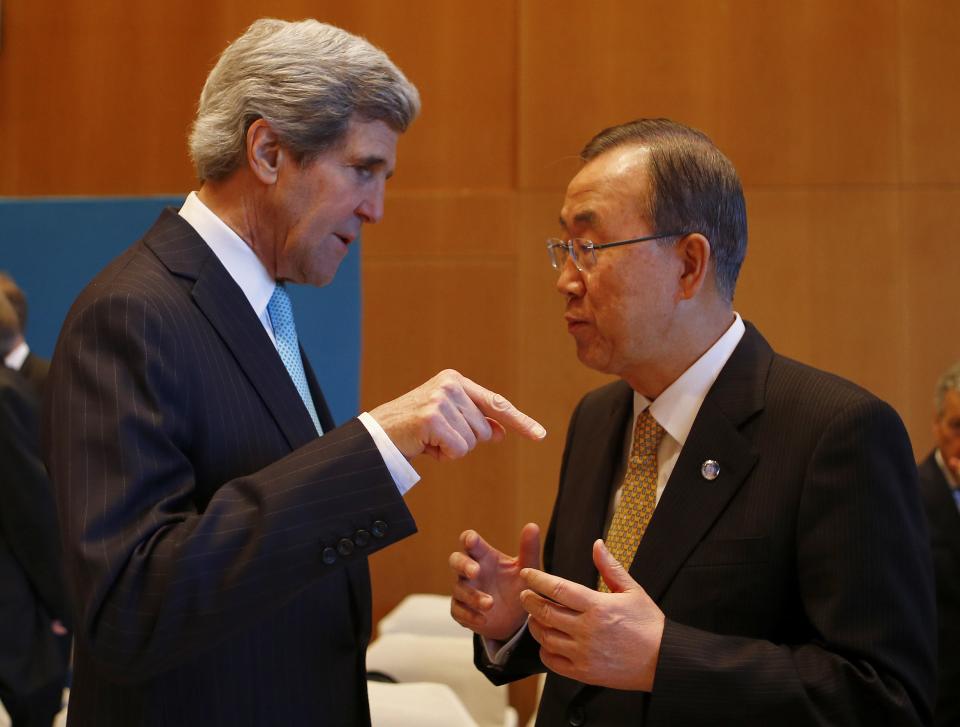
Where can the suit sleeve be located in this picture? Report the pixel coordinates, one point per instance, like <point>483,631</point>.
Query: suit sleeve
<point>157,579</point>
<point>864,579</point>
<point>28,511</point>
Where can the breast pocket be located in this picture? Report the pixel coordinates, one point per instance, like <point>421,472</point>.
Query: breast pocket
<point>725,587</point>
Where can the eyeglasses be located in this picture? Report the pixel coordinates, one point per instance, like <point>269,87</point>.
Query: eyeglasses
<point>584,251</point>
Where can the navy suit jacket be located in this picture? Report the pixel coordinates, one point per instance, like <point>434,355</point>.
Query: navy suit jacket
<point>944,519</point>
<point>216,546</point>
<point>797,585</point>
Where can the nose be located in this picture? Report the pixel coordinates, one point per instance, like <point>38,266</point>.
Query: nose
<point>370,208</point>
<point>570,283</point>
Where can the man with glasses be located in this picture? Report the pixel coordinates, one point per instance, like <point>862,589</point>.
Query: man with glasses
<point>737,537</point>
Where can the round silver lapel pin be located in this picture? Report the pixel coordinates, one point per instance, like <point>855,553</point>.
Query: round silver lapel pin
<point>710,469</point>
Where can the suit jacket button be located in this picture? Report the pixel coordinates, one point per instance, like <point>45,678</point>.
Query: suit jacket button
<point>576,716</point>
<point>379,529</point>
<point>361,538</point>
<point>345,547</point>
<point>329,556</point>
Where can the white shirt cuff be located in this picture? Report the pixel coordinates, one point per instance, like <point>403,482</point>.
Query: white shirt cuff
<point>499,652</point>
<point>403,474</point>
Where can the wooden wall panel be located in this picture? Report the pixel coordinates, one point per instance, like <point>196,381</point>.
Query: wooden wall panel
<point>97,99</point>
<point>932,270</point>
<point>796,93</point>
<point>419,321</point>
<point>839,117</point>
<point>929,105</point>
<point>823,280</point>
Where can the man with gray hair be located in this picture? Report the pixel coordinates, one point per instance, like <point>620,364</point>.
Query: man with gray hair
<point>216,522</point>
<point>940,488</point>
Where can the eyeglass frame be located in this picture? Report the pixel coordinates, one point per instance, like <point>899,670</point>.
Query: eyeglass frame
<point>552,243</point>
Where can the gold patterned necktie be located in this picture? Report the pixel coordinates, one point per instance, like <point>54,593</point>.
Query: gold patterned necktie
<point>638,495</point>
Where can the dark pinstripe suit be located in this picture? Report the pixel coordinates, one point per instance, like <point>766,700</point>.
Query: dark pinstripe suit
<point>944,519</point>
<point>202,516</point>
<point>797,585</point>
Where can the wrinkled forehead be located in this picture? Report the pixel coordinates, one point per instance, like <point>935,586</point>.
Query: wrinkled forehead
<point>612,184</point>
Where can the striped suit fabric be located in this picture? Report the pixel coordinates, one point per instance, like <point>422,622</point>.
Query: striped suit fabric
<point>217,548</point>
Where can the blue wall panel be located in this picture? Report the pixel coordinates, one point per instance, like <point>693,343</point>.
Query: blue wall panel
<point>53,247</point>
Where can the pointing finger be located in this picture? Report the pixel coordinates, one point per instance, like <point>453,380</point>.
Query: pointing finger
<point>495,406</point>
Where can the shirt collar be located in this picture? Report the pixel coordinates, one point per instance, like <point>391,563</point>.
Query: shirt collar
<point>237,256</point>
<point>678,404</point>
<point>14,360</point>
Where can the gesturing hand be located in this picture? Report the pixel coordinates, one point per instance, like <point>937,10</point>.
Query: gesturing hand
<point>448,415</point>
<point>486,594</point>
<point>607,639</point>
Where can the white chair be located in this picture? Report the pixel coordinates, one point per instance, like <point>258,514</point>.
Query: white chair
<point>416,705</point>
<point>447,660</point>
<point>422,613</point>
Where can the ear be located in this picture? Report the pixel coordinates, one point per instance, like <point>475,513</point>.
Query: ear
<point>694,253</point>
<point>263,151</point>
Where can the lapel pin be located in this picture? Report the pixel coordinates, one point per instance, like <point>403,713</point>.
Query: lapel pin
<point>710,469</point>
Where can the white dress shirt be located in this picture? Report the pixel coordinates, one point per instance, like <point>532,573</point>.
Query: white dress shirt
<point>257,285</point>
<point>14,360</point>
<point>675,410</point>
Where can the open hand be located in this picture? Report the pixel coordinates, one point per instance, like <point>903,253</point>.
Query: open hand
<point>607,639</point>
<point>486,594</point>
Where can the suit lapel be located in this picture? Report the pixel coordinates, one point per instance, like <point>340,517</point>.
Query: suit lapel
<point>224,305</point>
<point>690,503</point>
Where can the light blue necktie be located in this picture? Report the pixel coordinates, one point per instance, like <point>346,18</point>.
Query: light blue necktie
<point>285,333</point>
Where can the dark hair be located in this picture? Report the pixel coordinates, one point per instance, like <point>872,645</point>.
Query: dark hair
<point>9,326</point>
<point>693,187</point>
<point>9,287</point>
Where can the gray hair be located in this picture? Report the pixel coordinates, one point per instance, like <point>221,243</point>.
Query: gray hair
<point>693,187</point>
<point>950,381</point>
<point>9,326</point>
<point>307,80</point>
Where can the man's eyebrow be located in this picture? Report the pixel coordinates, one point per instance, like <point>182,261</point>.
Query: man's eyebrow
<point>373,162</point>
<point>586,217</point>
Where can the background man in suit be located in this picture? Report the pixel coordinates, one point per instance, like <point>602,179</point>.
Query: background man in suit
<point>764,549</point>
<point>217,546</point>
<point>34,645</point>
<point>940,488</point>
<point>20,357</point>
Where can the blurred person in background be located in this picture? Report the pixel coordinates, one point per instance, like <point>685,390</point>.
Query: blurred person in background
<point>21,358</point>
<point>940,488</point>
<point>34,610</point>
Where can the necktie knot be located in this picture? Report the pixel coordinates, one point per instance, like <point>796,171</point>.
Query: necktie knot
<point>285,333</point>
